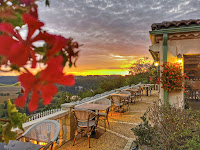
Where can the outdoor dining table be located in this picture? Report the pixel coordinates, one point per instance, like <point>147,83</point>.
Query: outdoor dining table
<point>18,145</point>
<point>121,95</point>
<point>90,106</point>
<point>132,90</point>
<point>93,107</point>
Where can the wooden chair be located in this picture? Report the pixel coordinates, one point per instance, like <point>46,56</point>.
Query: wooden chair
<point>138,94</point>
<point>86,122</point>
<point>46,131</point>
<point>103,115</point>
<point>117,103</point>
<point>126,100</point>
<point>133,96</point>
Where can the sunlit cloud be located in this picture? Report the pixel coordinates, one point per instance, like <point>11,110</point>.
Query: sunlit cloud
<point>114,34</point>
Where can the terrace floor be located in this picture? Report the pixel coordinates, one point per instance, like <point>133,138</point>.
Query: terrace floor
<point>120,132</point>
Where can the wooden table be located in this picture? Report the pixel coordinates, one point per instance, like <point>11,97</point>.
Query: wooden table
<point>93,106</point>
<point>132,90</point>
<point>18,145</point>
<point>121,95</point>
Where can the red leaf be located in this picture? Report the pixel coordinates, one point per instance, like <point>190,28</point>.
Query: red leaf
<point>5,45</point>
<point>19,54</point>
<point>27,80</point>
<point>59,43</point>
<point>34,58</point>
<point>55,61</point>
<point>33,11</point>
<point>49,38</point>
<point>53,70</point>
<point>48,91</point>
<point>27,2</point>
<point>33,24</point>
<point>8,28</point>
<point>67,80</point>
<point>20,101</point>
<point>33,104</point>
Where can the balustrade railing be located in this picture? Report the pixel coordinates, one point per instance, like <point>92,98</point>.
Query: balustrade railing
<point>55,114</point>
<point>42,114</point>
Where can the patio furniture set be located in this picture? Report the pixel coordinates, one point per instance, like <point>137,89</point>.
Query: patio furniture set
<point>86,116</point>
<point>45,132</point>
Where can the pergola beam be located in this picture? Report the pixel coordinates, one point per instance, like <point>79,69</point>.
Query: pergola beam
<point>175,30</point>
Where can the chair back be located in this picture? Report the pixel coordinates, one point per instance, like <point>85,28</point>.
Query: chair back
<point>135,87</point>
<point>118,90</point>
<point>115,99</point>
<point>43,131</point>
<point>140,89</point>
<point>103,101</point>
<point>83,115</point>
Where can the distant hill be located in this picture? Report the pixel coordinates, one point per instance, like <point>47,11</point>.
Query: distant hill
<point>8,79</point>
<point>83,82</point>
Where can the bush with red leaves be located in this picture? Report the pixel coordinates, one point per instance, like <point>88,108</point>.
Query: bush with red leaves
<point>172,77</point>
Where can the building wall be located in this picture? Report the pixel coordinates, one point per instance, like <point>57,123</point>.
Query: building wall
<point>185,46</point>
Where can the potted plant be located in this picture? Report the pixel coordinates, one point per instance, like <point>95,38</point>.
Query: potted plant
<point>172,77</point>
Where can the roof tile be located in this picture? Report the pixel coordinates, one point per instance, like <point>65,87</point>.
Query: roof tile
<point>167,24</point>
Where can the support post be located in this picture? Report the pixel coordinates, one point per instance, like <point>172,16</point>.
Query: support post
<point>165,38</point>
<point>69,124</point>
<point>61,140</point>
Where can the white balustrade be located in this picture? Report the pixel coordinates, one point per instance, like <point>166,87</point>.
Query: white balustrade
<point>42,114</point>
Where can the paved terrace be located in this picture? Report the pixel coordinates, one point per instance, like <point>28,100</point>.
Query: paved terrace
<point>119,136</point>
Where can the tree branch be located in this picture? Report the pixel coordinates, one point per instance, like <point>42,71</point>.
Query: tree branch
<point>4,120</point>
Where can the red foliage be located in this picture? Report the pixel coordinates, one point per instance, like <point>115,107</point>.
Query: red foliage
<point>172,77</point>
<point>18,46</point>
<point>27,2</point>
<point>42,86</point>
<point>14,50</point>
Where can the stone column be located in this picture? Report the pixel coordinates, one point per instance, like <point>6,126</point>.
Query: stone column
<point>69,123</point>
<point>61,140</point>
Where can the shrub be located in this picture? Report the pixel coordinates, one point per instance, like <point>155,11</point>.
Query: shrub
<point>170,128</point>
<point>144,132</point>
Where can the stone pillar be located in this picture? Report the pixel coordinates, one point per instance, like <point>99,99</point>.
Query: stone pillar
<point>69,123</point>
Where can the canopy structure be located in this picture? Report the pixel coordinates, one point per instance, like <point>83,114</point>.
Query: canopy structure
<point>177,42</point>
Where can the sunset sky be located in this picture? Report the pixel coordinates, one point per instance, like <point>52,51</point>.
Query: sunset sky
<point>114,33</point>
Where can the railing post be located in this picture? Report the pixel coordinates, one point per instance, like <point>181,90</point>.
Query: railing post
<point>61,140</point>
<point>69,123</point>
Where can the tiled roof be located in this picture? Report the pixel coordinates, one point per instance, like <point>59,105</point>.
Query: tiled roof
<point>167,24</point>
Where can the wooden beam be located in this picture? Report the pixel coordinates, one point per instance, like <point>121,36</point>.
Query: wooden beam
<point>175,30</point>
